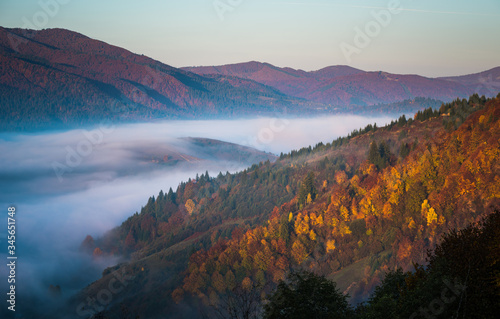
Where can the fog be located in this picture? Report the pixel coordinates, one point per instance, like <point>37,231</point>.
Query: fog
<point>68,184</point>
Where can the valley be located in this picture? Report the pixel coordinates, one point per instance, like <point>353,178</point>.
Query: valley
<point>318,208</point>
<point>250,159</point>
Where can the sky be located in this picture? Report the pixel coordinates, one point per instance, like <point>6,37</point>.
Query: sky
<point>426,37</point>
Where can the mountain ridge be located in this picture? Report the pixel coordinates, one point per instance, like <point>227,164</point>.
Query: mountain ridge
<point>336,85</point>
<point>63,77</point>
<point>57,77</point>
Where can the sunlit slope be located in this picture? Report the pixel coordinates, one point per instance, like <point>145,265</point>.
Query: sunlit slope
<point>350,209</point>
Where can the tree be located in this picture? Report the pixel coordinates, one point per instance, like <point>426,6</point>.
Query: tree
<point>307,295</point>
<point>460,281</point>
<point>190,206</point>
<point>373,154</point>
<point>471,257</point>
<point>299,252</point>
<point>379,155</point>
<point>404,150</point>
<point>241,302</point>
<point>307,188</point>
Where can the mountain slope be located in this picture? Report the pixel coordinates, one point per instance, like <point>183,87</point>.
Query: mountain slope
<point>61,76</point>
<point>287,80</point>
<point>351,210</point>
<point>484,83</point>
<point>372,88</point>
<point>344,86</point>
<point>58,77</point>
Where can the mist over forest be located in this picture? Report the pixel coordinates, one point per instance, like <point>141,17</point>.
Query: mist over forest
<point>68,184</point>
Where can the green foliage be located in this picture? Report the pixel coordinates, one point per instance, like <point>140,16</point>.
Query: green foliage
<point>426,114</point>
<point>460,281</point>
<point>307,295</point>
<point>404,150</point>
<point>307,188</point>
<point>379,155</point>
<point>457,111</point>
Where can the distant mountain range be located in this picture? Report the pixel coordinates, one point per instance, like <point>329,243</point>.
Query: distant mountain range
<point>343,85</point>
<point>56,76</point>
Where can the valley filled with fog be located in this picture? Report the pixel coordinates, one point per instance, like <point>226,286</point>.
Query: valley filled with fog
<point>68,184</point>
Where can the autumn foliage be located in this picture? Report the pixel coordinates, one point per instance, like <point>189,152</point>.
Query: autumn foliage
<point>394,208</point>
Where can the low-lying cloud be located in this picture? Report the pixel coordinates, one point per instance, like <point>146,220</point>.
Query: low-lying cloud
<point>117,171</point>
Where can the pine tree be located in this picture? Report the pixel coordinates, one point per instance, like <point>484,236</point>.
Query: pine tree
<point>307,189</point>
<point>373,154</point>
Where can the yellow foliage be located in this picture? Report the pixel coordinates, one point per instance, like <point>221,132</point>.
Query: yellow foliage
<point>178,295</point>
<point>441,220</point>
<point>340,177</point>
<point>309,198</point>
<point>354,210</point>
<point>411,223</point>
<point>365,206</point>
<point>344,213</point>
<point>243,253</point>
<point>367,169</point>
<point>494,192</point>
<point>404,250</point>
<point>319,221</point>
<point>330,245</point>
<point>429,213</point>
<point>302,224</point>
<point>312,217</point>
<point>312,235</point>
<point>316,220</point>
<point>355,185</point>
<point>306,217</point>
<point>265,231</point>
<point>431,216</point>
<point>355,181</point>
<point>344,229</point>
<point>371,169</point>
<point>190,206</point>
<point>334,222</point>
<point>290,217</point>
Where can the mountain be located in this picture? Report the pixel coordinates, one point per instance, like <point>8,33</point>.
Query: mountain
<point>484,83</point>
<point>351,210</point>
<point>60,76</point>
<point>287,80</point>
<point>196,150</point>
<point>56,77</point>
<point>344,86</point>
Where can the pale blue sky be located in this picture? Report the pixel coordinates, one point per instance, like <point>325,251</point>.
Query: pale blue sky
<point>428,37</point>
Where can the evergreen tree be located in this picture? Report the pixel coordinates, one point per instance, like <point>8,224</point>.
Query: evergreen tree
<point>307,188</point>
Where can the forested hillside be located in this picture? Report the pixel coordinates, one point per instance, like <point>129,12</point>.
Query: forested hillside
<point>350,210</point>
<point>59,78</point>
<point>56,78</point>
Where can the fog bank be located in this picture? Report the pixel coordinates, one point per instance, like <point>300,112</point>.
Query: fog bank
<point>66,185</point>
